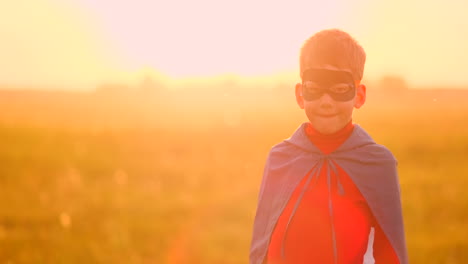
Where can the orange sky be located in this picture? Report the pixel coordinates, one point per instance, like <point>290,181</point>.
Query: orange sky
<point>77,44</point>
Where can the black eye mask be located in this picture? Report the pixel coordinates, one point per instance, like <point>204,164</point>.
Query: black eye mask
<point>338,84</point>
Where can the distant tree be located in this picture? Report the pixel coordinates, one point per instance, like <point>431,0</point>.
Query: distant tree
<point>228,85</point>
<point>393,84</point>
<point>149,86</point>
<point>112,89</point>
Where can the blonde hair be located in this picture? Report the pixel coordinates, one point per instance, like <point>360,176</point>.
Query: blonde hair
<point>334,47</point>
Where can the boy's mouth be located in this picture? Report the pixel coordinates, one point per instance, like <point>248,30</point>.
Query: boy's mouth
<point>326,115</point>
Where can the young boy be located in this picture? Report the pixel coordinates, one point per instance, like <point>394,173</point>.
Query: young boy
<point>329,193</point>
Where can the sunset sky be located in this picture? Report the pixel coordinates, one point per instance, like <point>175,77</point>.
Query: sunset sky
<point>78,44</point>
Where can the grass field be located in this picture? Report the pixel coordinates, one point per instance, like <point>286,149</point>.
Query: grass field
<point>173,177</point>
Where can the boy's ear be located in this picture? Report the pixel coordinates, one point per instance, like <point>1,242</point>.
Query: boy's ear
<point>299,98</point>
<point>360,96</point>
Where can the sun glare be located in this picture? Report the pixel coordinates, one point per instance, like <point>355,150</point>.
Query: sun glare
<point>86,42</point>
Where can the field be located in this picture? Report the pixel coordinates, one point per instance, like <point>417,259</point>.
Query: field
<point>172,176</point>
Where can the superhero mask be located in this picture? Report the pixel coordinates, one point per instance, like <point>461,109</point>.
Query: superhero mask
<point>338,84</point>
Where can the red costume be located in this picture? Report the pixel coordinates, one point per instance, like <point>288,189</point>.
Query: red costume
<point>313,234</point>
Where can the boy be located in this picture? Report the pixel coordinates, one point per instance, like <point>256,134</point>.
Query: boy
<point>329,193</point>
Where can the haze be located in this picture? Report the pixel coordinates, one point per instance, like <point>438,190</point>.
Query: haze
<point>79,44</point>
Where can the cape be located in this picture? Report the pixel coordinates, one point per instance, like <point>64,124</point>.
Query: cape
<point>371,166</point>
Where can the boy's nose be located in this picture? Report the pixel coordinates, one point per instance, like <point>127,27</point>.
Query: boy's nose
<point>326,99</point>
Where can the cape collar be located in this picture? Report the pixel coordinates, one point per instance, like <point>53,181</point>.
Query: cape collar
<point>358,138</point>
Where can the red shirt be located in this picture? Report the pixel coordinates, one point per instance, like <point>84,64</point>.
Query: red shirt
<point>309,235</point>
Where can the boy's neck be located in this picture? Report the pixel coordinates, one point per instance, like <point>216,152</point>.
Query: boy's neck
<point>327,143</point>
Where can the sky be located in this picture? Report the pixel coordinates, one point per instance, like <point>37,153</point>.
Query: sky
<point>79,44</point>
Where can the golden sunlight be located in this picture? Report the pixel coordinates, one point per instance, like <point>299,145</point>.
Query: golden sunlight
<point>136,131</point>
<point>82,43</point>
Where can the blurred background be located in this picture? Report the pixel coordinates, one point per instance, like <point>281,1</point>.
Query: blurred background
<point>137,131</point>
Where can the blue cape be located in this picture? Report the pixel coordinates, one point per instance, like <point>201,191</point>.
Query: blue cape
<point>372,168</point>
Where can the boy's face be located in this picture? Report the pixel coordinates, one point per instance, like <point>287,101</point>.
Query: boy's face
<point>329,95</point>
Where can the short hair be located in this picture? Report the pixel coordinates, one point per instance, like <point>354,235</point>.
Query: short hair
<point>334,47</point>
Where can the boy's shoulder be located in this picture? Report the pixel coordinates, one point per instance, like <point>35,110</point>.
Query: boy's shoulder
<point>284,150</point>
<point>359,144</point>
<point>362,145</point>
